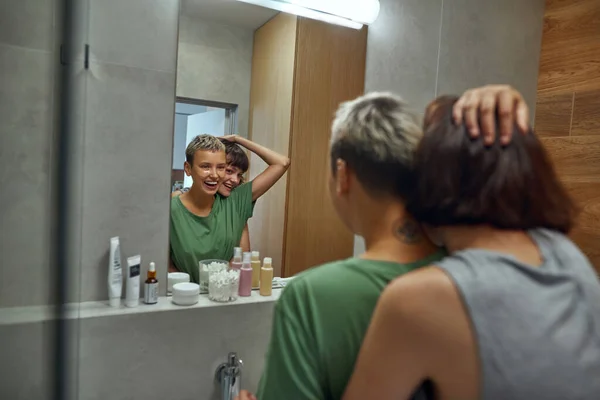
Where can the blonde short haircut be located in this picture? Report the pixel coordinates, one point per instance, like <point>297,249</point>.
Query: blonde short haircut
<point>377,135</point>
<point>203,142</point>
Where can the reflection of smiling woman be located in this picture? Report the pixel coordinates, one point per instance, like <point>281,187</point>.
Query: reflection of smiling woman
<point>205,225</point>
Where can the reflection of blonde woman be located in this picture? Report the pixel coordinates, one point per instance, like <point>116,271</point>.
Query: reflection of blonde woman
<point>237,166</point>
<point>205,225</point>
<point>514,311</point>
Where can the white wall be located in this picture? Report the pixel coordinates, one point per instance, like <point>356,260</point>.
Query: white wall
<point>215,63</point>
<point>179,140</point>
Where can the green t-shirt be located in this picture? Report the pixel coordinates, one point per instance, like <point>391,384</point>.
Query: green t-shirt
<point>194,238</point>
<point>319,324</point>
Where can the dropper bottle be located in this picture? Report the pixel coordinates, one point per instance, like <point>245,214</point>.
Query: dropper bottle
<point>246,276</point>
<point>151,286</point>
<point>266,277</point>
<point>237,258</point>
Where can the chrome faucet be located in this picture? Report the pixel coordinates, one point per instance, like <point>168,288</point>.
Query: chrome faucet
<point>228,376</point>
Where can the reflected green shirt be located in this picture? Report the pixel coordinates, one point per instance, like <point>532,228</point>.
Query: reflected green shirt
<point>319,324</point>
<point>194,238</point>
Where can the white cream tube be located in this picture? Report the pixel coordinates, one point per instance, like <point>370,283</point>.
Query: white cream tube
<point>132,295</point>
<point>115,273</point>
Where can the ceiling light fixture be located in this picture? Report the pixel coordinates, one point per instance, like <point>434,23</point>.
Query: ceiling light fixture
<point>349,13</point>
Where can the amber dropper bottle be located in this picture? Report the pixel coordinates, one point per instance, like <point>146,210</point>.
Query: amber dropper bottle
<point>151,286</point>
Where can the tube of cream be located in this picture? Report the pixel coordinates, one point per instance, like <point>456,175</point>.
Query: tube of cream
<point>132,295</point>
<point>115,273</point>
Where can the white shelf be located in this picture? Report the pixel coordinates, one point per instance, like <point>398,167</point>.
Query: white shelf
<point>95,309</point>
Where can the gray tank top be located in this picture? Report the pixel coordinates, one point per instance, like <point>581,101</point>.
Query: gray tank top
<point>537,328</point>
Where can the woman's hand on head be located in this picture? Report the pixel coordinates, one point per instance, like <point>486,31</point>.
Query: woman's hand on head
<point>229,138</point>
<point>477,109</point>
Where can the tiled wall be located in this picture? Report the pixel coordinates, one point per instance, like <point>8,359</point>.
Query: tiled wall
<point>148,356</point>
<point>122,146</point>
<point>26,129</point>
<point>128,130</point>
<point>421,49</point>
<point>215,63</point>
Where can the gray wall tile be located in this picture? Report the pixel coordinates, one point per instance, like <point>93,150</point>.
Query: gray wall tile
<point>136,33</point>
<point>25,143</point>
<point>424,48</point>
<point>402,50</point>
<point>25,362</point>
<point>170,354</point>
<point>491,42</point>
<point>27,23</point>
<point>127,170</point>
<point>28,360</point>
<point>215,63</point>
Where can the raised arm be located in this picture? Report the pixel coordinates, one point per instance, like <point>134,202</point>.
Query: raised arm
<point>278,164</point>
<point>245,240</point>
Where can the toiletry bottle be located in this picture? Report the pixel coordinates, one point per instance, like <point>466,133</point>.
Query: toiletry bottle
<point>266,277</point>
<point>151,286</point>
<point>237,258</point>
<point>132,294</point>
<point>246,276</point>
<point>255,262</point>
<point>115,273</point>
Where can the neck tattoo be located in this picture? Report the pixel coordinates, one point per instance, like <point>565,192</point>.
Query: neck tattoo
<point>407,231</point>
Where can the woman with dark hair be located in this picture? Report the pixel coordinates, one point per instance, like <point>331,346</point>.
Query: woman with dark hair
<point>514,311</point>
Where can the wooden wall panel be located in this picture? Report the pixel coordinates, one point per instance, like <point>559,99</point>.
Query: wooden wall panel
<point>330,68</point>
<point>576,159</point>
<point>270,121</point>
<point>553,114</point>
<point>570,52</point>
<point>570,68</point>
<point>586,112</point>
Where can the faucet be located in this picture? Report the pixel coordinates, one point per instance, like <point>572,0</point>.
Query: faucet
<point>228,376</point>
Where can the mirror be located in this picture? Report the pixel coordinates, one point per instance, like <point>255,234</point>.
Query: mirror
<point>256,92</point>
<point>210,204</point>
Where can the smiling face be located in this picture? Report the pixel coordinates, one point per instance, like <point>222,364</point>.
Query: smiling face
<point>234,177</point>
<point>207,170</point>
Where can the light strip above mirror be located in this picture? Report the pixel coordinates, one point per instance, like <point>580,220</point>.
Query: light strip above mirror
<point>349,13</point>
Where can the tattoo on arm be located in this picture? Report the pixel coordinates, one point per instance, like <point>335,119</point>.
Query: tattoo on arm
<point>407,231</point>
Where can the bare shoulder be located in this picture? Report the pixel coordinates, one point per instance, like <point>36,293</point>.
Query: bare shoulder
<point>428,303</point>
<point>420,292</point>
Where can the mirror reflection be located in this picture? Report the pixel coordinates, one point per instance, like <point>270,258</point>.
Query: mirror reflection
<point>213,195</point>
<point>256,92</point>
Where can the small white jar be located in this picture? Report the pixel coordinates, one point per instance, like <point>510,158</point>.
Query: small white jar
<point>174,278</point>
<point>186,293</point>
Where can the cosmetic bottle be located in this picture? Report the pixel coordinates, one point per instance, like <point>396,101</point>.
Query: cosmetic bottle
<point>151,286</point>
<point>115,273</point>
<point>255,262</point>
<point>237,258</point>
<point>266,277</point>
<point>246,276</point>
<point>132,294</point>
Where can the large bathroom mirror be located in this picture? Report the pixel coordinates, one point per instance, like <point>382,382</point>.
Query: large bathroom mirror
<point>265,84</point>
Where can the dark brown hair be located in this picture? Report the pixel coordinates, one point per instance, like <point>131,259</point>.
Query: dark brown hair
<point>236,157</point>
<point>460,181</point>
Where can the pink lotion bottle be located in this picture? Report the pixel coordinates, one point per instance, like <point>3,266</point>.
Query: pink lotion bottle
<point>246,276</point>
<point>237,258</point>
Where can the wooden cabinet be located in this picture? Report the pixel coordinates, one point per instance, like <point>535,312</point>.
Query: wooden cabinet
<point>301,70</point>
